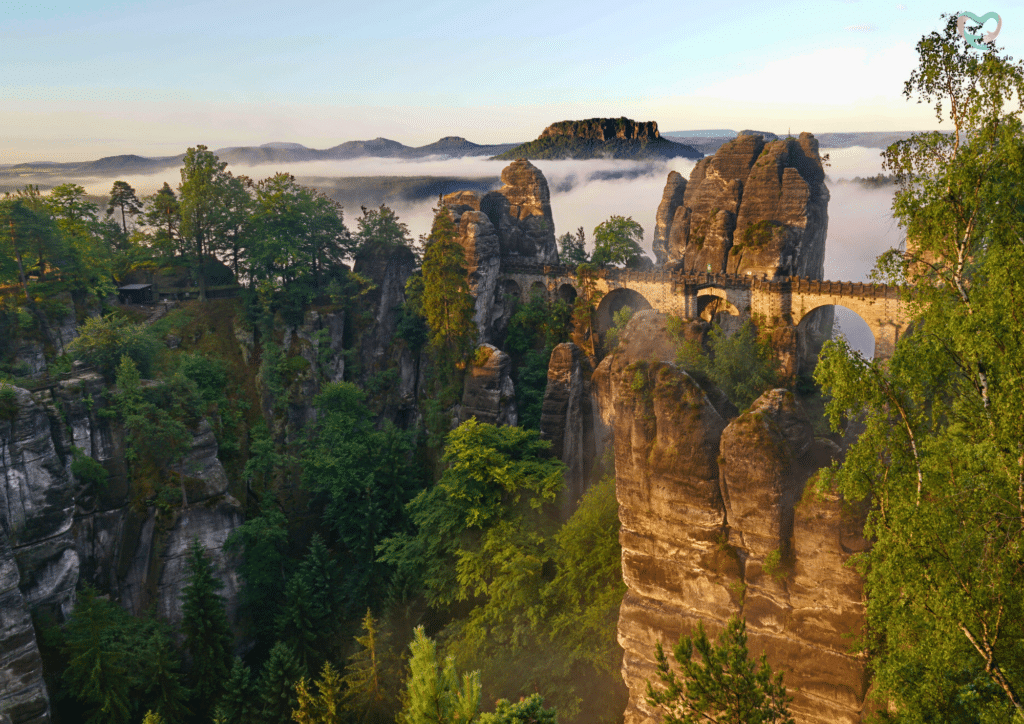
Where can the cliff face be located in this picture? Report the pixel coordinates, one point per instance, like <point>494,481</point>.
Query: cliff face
<point>604,129</point>
<point>488,393</point>
<point>715,524</point>
<point>521,213</point>
<point>602,138</point>
<point>754,207</point>
<point>671,200</point>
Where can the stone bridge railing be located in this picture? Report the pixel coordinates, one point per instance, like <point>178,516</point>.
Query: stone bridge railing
<point>781,302</point>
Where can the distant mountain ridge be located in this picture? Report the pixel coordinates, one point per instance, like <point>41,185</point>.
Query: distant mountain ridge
<point>276,152</point>
<point>711,140</point>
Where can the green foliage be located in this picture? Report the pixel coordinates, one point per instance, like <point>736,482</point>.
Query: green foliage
<point>103,341</point>
<point>371,676</point>
<point>364,479</point>
<point>538,324</point>
<point>118,665</point>
<point>531,383</point>
<point>263,541</point>
<point>324,707</point>
<point>207,635</point>
<point>8,402</point>
<point>940,455</point>
<point>551,612</point>
<point>742,366</point>
<point>238,705</point>
<point>617,242</point>
<point>583,308</point>
<point>525,711</point>
<point>493,477</point>
<point>379,230</point>
<point>277,685</point>
<point>723,687</point>
<point>310,616</point>
<point>572,249</point>
<point>447,303</point>
<point>88,471</point>
<point>124,200</point>
<point>761,233</point>
<point>436,695</point>
<point>209,373</point>
<point>619,321</point>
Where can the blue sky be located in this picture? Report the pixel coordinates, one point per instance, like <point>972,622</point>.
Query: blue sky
<point>83,80</point>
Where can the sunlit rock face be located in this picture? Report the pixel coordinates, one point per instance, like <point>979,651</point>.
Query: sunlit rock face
<point>671,200</point>
<point>479,240</point>
<point>715,523</point>
<point>520,211</point>
<point>567,420</point>
<point>488,393</point>
<point>753,207</point>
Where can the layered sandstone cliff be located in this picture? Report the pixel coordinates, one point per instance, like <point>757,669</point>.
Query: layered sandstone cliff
<point>716,522</point>
<point>755,207</point>
<point>602,138</point>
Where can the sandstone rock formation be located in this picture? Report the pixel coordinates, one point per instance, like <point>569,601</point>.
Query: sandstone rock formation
<point>716,522</point>
<point>521,213</point>
<point>23,695</point>
<point>479,241</point>
<point>754,207</point>
<point>671,200</point>
<point>567,420</point>
<point>488,393</point>
<point>602,138</point>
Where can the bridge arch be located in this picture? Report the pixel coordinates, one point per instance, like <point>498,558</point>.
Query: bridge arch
<point>614,301</point>
<point>510,289</point>
<point>538,289</point>
<point>822,322</point>
<point>567,293</point>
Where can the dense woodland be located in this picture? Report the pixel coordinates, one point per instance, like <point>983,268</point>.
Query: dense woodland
<point>422,571</point>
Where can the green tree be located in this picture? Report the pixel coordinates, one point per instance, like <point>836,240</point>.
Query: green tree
<point>163,212</point>
<point>447,303</point>
<point>492,477</point>
<point>277,685</point>
<point>379,230</point>
<point>207,634</point>
<point>310,616</point>
<point>584,306</point>
<point>942,453</point>
<point>24,231</point>
<point>525,711</point>
<point>371,676</point>
<point>617,242</point>
<point>103,341</point>
<point>742,365</point>
<point>124,199</point>
<point>619,321</point>
<point>436,695</point>
<point>98,673</point>
<point>364,478</point>
<point>324,707</point>
<point>205,184</point>
<point>263,541</point>
<point>723,687</point>
<point>238,704</point>
<point>572,249</point>
<point>157,668</point>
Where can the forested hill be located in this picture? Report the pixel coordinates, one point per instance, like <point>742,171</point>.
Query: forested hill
<point>619,138</point>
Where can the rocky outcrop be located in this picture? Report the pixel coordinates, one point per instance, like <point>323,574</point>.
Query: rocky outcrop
<point>754,207</point>
<point>671,200</point>
<point>488,393</point>
<point>388,270</point>
<point>521,213</point>
<point>602,138</point>
<point>479,241</point>
<point>567,420</point>
<point>715,522</point>
<point>23,695</point>
<point>37,503</point>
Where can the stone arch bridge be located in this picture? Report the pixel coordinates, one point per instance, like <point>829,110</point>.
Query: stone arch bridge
<point>782,303</point>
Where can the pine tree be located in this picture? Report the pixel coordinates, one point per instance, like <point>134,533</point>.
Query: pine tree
<point>123,198</point>
<point>436,696</point>
<point>447,303</point>
<point>277,684</point>
<point>326,706</point>
<point>297,623</point>
<point>207,634</point>
<point>237,706</point>
<point>370,678</point>
<point>164,691</point>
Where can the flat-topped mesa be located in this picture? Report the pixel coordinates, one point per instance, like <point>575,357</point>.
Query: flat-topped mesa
<point>755,207</point>
<point>604,129</point>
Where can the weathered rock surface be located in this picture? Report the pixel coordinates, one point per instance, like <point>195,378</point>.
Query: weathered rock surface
<point>602,138</point>
<point>37,503</point>
<point>604,129</point>
<point>567,420</point>
<point>388,269</point>
<point>753,207</point>
<point>488,393</point>
<point>23,695</point>
<point>479,241</point>
<point>713,526</point>
<point>521,213</point>
<point>671,200</point>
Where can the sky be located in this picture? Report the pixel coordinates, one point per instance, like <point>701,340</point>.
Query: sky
<point>82,80</point>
